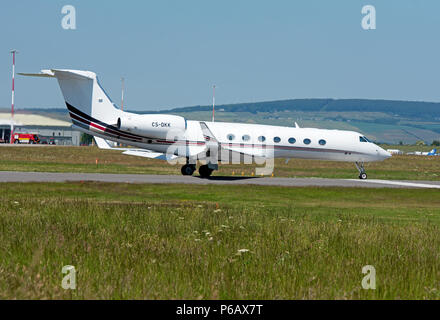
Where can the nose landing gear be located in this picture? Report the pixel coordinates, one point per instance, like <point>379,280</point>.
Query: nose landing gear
<point>361,169</point>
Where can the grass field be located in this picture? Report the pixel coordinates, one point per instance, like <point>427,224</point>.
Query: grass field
<point>83,159</point>
<point>217,242</point>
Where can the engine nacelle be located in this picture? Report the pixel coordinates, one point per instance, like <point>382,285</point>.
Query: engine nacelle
<point>160,126</point>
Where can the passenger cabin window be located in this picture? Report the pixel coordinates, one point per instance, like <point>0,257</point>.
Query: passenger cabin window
<point>307,141</point>
<point>230,137</point>
<point>261,138</point>
<point>363,139</point>
<point>322,142</point>
<point>276,139</point>
<point>246,137</point>
<point>292,140</point>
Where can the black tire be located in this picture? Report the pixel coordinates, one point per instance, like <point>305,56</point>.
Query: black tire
<point>363,176</point>
<point>204,171</point>
<point>187,170</point>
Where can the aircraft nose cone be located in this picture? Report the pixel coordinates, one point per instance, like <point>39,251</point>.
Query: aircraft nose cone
<point>383,154</point>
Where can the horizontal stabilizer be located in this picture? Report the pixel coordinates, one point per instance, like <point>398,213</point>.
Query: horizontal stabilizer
<point>43,73</point>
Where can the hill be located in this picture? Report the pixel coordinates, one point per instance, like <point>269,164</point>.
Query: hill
<point>385,121</point>
<point>415,109</point>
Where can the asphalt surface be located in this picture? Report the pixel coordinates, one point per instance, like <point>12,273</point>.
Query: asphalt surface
<point>13,176</point>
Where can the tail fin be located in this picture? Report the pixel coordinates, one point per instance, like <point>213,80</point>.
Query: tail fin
<point>83,95</point>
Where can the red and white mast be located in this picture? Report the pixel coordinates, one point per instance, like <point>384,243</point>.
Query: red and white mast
<point>13,95</point>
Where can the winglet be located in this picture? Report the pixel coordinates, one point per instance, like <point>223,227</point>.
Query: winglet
<point>102,143</point>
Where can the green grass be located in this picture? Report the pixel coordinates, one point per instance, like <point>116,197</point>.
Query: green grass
<point>183,241</point>
<point>83,159</point>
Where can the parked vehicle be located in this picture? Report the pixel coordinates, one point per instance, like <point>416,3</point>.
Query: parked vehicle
<point>28,138</point>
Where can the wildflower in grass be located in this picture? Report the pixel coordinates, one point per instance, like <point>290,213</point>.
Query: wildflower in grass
<point>243,250</point>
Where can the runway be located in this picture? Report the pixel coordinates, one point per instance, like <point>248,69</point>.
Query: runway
<point>15,176</point>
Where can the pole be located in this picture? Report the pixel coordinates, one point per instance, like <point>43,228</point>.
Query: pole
<point>213,103</point>
<point>13,95</point>
<point>122,94</point>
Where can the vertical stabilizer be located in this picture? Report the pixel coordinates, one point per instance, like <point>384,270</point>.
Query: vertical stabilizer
<point>84,96</point>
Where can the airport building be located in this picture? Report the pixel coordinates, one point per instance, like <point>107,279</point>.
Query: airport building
<point>57,130</point>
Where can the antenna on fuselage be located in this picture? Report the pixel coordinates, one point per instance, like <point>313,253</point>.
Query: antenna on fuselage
<point>122,93</point>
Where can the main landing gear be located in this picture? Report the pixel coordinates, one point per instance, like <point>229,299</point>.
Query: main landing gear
<point>361,169</point>
<point>205,171</point>
<point>188,169</point>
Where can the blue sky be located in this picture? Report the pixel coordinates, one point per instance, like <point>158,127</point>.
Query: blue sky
<point>171,52</point>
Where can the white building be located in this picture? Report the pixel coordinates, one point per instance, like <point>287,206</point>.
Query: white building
<point>44,126</point>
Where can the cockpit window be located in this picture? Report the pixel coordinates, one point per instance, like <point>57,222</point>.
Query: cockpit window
<point>363,139</point>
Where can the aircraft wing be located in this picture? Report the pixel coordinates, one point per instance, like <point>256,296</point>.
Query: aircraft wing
<point>104,144</point>
<point>150,154</point>
<point>252,152</point>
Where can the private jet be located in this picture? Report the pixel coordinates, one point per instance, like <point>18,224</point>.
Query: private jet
<point>167,137</point>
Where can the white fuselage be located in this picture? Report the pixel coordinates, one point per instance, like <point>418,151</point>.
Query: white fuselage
<point>257,139</point>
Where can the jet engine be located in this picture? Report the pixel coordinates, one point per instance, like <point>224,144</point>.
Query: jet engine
<point>159,126</point>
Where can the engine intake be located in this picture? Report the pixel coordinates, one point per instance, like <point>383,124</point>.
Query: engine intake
<point>160,126</point>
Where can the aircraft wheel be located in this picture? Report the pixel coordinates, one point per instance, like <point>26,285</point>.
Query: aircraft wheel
<point>204,171</point>
<point>187,170</point>
<point>363,176</point>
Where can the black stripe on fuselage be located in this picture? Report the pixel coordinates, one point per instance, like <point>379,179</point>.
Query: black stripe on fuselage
<point>107,126</point>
